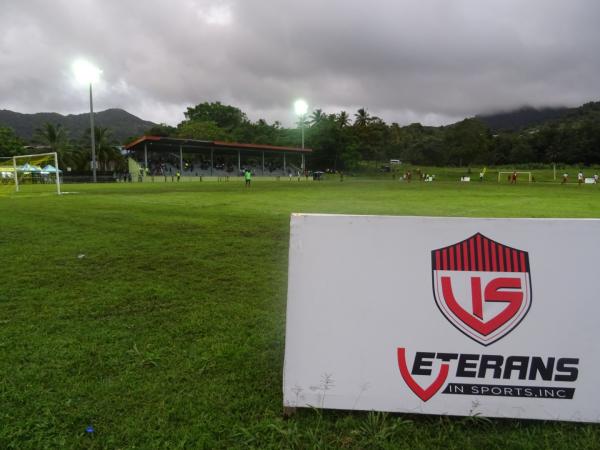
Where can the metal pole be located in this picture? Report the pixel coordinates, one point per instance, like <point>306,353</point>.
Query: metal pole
<point>284,168</point>
<point>239,161</point>
<point>145,160</point>
<point>93,137</point>
<point>211,161</point>
<point>303,168</point>
<point>554,167</point>
<point>181,160</point>
<point>263,163</point>
<point>16,174</point>
<point>57,172</point>
<point>302,131</point>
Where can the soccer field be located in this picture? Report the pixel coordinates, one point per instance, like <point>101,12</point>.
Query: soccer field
<point>155,313</point>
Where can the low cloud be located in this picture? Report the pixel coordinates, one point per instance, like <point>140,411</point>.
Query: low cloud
<point>433,61</point>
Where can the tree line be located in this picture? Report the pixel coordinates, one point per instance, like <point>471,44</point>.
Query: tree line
<point>341,140</point>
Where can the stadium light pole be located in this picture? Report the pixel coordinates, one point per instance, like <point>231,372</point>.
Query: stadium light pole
<point>301,107</point>
<point>87,73</point>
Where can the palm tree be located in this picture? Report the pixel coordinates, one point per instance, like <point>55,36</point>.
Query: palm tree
<point>56,137</point>
<point>316,117</point>
<point>106,151</point>
<point>343,119</point>
<point>362,118</point>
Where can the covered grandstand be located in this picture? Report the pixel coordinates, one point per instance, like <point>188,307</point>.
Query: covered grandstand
<point>158,155</point>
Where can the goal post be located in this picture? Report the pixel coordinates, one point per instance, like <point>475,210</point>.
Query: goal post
<point>32,173</point>
<point>508,175</point>
<point>7,175</point>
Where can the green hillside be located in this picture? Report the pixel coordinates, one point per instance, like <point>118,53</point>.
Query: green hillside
<point>121,123</point>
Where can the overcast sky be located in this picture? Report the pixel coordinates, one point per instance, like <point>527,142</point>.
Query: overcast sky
<point>433,61</point>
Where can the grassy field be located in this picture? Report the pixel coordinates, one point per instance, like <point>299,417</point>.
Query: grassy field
<point>155,313</point>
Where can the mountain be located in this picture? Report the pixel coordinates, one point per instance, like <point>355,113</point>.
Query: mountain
<point>121,123</point>
<point>523,118</point>
<point>590,112</point>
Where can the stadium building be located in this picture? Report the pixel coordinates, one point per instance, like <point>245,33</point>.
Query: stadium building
<point>156,156</point>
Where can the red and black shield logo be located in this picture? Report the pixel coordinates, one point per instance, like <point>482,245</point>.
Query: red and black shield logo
<point>482,287</point>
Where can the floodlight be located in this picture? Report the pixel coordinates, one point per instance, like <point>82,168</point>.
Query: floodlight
<point>85,72</point>
<point>301,107</point>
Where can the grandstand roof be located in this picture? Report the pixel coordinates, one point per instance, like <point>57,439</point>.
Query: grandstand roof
<point>169,142</point>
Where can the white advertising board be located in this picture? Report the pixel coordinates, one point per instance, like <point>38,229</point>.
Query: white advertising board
<point>452,316</point>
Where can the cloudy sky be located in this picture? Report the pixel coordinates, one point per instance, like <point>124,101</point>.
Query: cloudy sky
<point>433,61</point>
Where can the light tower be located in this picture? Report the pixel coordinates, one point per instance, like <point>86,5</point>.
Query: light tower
<point>301,107</point>
<point>87,73</point>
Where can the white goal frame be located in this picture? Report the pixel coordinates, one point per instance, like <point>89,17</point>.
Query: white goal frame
<point>34,156</point>
<point>511,172</point>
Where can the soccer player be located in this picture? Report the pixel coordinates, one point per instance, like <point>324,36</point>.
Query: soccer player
<point>247,177</point>
<point>580,178</point>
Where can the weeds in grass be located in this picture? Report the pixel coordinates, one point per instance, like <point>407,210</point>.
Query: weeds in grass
<point>376,427</point>
<point>146,359</point>
<point>476,420</point>
<point>327,383</point>
<point>289,433</point>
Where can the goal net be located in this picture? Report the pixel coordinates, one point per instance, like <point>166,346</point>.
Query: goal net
<point>508,176</point>
<point>30,173</point>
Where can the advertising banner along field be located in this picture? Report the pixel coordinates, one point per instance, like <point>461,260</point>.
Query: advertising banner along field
<point>451,316</point>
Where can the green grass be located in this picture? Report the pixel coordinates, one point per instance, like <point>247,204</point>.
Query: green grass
<point>169,332</point>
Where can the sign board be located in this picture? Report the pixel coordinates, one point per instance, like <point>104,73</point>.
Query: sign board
<point>465,179</point>
<point>590,181</point>
<point>452,316</point>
